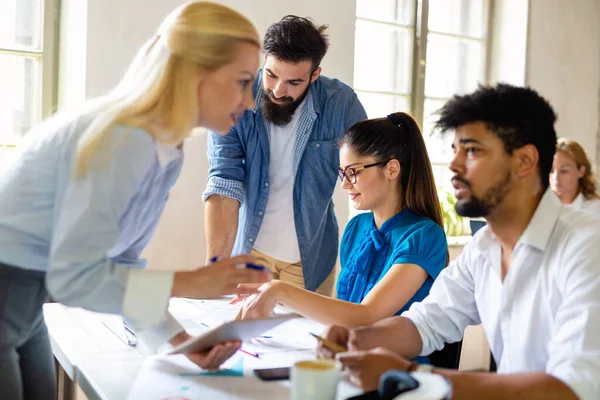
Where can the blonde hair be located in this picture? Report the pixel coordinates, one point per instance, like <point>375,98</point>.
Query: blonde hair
<point>587,183</point>
<point>159,90</point>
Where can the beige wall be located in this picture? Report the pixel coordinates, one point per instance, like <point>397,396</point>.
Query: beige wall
<point>563,64</point>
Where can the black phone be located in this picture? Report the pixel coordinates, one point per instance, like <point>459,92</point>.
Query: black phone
<point>373,395</point>
<point>273,374</point>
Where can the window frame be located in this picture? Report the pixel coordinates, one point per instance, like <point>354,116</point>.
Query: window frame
<point>47,57</point>
<point>420,31</point>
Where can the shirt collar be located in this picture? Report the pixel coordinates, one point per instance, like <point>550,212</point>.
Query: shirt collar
<point>540,227</point>
<point>578,202</point>
<point>166,153</point>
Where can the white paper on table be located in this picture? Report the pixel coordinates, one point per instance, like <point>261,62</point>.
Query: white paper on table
<point>161,379</point>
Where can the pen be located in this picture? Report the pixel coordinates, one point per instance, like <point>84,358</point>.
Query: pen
<point>250,354</point>
<point>249,265</point>
<point>329,344</point>
<point>130,335</point>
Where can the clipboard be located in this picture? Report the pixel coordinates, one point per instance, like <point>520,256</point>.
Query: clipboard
<point>233,330</point>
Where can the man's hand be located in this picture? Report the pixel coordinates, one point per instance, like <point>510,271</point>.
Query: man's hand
<point>367,366</point>
<point>335,334</point>
<point>212,359</point>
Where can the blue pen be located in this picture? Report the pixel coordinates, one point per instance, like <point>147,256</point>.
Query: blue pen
<point>249,265</point>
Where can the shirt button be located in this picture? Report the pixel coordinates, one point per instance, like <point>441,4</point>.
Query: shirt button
<point>318,144</point>
<point>260,213</point>
<point>266,183</point>
<point>251,240</point>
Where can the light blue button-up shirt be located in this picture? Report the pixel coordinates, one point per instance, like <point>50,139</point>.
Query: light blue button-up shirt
<point>239,169</point>
<point>88,232</point>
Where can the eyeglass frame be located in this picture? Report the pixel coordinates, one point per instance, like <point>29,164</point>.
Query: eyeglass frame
<point>356,170</point>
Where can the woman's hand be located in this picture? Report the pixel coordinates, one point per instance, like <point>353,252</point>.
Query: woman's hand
<point>218,279</point>
<point>211,359</point>
<point>262,303</point>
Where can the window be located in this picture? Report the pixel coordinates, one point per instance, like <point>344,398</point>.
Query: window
<point>28,36</point>
<point>413,55</point>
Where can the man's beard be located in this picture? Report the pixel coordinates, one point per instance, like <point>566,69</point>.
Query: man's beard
<point>474,207</point>
<point>280,114</point>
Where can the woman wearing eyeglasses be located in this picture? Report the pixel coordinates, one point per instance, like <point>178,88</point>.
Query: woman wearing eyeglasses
<point>389,256</point>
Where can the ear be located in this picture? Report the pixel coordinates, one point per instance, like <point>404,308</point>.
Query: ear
<point>527,158</point>
<point>393,169</point>
<point>581,172</point>
<point>315,75</point>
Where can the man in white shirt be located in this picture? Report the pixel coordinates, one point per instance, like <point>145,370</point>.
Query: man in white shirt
<point>531,277</point>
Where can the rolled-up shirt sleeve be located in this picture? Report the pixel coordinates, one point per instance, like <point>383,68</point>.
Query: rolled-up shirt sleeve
<point>448,309</point>
<point>574,349</point>
<point>80,273</point>
<point>227,166</point>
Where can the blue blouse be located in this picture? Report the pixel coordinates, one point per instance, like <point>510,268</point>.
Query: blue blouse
<point>368,253</point>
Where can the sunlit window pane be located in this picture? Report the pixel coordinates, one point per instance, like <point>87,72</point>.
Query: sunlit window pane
<point>458,17</point>
<point>380,105</point>
<point>453,66</point>
<point>383,57</point>
<point>20,24</point>
<point>442,176</point>
<point>398,11</point>
<point>438,146</point>
<point>19,96</point>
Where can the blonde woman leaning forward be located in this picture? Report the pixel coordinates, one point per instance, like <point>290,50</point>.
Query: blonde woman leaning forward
<point>572,178</point>
<point>86,192</point>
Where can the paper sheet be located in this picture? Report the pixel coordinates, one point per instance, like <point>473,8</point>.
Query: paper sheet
<point>177,378</point>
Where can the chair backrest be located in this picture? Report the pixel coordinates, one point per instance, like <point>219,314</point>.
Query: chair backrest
<point>448,357</point>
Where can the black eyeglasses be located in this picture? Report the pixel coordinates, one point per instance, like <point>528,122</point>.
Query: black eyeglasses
<point>350,173</point>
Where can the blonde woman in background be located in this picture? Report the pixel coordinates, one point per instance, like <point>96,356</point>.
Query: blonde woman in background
<point>572,178</point>
<point>83,198</point>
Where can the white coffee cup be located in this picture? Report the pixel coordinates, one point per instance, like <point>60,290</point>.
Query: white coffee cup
<point>314,379</point>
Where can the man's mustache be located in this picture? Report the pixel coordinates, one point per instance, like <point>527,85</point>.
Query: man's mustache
<point>285,99</point>
<point>458,179</point>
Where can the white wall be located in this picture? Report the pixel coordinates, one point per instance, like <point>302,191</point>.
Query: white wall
<point>117,28</point>
<point>563,64</point>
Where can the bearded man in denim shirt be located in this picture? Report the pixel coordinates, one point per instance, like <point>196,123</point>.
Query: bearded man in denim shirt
<point>271,180</point>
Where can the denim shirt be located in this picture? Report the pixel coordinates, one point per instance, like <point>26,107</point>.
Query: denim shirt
<point>239,169</point>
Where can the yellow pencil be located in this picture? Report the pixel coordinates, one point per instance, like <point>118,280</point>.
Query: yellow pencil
<point>329,344</point>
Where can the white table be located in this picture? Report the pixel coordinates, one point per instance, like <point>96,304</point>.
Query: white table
<point>101,362</point>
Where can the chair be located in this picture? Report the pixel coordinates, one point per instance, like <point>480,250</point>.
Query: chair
<point>448,357</point>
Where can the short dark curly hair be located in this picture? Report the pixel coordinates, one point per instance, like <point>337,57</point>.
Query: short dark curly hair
<point>517,115</point>
<point>295,39</point>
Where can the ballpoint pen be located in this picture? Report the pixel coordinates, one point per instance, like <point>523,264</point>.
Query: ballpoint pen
<point>130,334</point>
<point>330,345</point>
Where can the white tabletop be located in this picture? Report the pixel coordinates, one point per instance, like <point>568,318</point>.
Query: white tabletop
<point>106,368</point>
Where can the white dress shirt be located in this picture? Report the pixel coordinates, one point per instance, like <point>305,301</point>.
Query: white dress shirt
<point>589,205</point>
<point>545,316</point>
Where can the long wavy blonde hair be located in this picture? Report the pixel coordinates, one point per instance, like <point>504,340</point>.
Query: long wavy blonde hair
<point>159,90</point>
<point>587,183</point>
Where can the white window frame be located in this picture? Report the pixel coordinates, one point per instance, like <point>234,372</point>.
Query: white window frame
<point>420,31</point>
<point>48,59</point>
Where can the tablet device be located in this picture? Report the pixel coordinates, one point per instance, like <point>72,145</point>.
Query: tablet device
<point>232,330</point>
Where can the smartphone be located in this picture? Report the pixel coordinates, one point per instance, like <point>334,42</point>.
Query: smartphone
<point>273,374</point>
<point>373,395</point>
